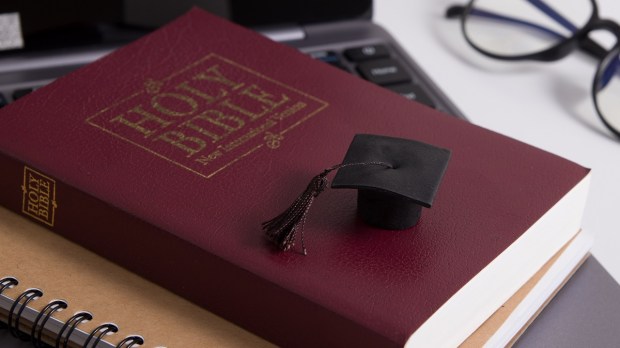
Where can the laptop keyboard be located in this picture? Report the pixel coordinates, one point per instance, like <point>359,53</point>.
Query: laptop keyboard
<point>16,94</point>
<point>370,62</point>
<point>375,64</point>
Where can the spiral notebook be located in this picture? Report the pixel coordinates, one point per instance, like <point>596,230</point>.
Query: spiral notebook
<point>42,260</point>
<point>126,310</point>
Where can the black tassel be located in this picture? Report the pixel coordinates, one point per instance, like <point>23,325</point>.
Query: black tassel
<point>282,229</point>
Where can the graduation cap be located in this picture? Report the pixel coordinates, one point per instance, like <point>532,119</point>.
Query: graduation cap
<point>394,177</point>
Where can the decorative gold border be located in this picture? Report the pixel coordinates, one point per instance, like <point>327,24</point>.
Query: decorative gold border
<point>323,104</point>
<point>53,204</point>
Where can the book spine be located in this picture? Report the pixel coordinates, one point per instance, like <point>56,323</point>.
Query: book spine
<point>211,282</point>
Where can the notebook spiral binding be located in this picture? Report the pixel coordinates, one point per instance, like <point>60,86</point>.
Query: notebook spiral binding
<point>64,335</point>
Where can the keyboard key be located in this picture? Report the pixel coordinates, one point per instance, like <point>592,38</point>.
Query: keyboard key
<point>329,57</point>
<point>3,100</point>
<point>383,71</point>
<point>21,92</point>
<point>412,92</point>
<point>325,56</point>
<point>369,52</point>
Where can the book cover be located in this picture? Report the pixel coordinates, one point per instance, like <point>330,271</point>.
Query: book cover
<point>166,156</point>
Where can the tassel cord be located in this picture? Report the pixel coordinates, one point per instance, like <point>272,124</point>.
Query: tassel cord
<point>282,230</point>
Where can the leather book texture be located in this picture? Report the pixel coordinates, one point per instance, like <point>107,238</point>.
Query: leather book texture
<point>166,155</point>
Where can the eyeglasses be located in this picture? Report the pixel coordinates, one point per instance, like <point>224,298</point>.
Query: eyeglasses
<point>547,31</point>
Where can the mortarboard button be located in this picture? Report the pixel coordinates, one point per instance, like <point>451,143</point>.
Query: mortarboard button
<point>394,177</point>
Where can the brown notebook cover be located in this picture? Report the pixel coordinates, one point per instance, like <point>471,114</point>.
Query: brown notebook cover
<point>166,156</point>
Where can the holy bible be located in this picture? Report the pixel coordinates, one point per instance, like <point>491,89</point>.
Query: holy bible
<point>166,155</point>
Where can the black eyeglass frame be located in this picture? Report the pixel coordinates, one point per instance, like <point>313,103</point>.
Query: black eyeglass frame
<point>579,40</point>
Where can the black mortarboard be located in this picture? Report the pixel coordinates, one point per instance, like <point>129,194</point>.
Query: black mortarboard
<point>394,177</point>
<point>392,197</point>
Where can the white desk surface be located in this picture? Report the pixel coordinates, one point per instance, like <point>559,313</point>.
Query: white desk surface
<point>547,105</point>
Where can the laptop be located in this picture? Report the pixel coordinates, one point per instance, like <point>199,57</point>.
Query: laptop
<point>43,40</point>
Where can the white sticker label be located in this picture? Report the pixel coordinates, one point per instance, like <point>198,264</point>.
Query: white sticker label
<point>10,31</point>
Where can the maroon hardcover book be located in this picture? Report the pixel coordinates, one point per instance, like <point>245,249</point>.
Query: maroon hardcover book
<point>166,156</point>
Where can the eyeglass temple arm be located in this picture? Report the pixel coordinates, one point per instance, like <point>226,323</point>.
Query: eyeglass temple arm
<point>549,11</point>
<point>585,44</point>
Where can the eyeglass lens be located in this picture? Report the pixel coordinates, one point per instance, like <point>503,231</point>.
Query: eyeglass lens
<point>607,90</point>
<point>520,27</point>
